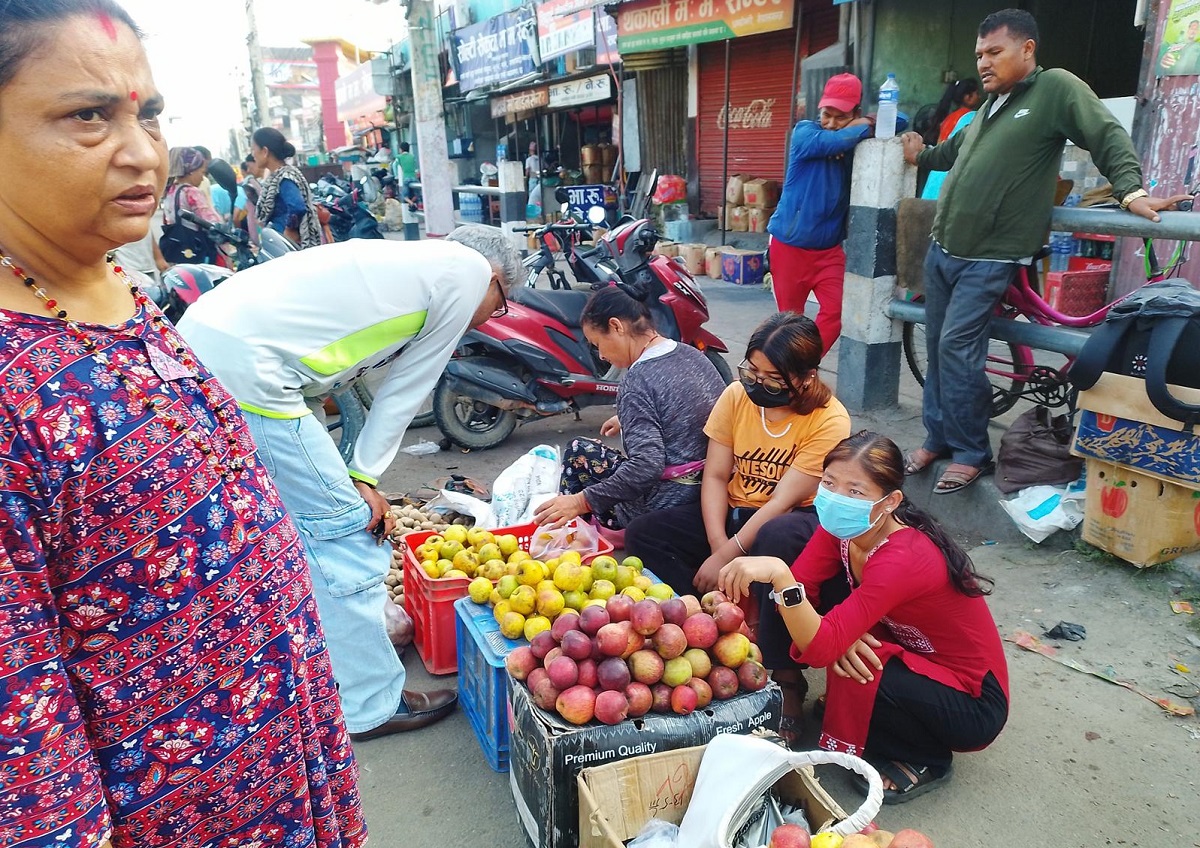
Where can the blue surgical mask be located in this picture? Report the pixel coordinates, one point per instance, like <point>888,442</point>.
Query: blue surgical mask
<point>843,516</point>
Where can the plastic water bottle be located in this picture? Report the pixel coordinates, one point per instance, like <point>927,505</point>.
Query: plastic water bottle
<point>1060,251</point>
<point>889,104</point>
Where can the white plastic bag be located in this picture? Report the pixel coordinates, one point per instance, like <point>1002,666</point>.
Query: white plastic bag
<point>398,622</point>
<point>421,448</point>
<point>1040,511</point>
<point>656,833</point>
<point>525,484</point>
<point>735,772</point>
<point>575,535</point>
<point>448,501</point>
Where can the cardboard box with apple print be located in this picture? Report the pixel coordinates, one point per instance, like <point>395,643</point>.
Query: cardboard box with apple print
<point>1118,423</point>
<point>1139,518</point>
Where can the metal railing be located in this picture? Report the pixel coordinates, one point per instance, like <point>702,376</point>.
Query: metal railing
<point>1181,226</point>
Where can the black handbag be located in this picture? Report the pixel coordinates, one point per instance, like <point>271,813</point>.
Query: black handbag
<point>1035,451</point>
<point>182,241</point>
<point>1153,334</point>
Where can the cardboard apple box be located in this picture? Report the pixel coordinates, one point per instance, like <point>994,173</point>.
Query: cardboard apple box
<point>693,258</point>
<point>1119,424</point>
<point>735,189</point>
<point>761,194</point>
<point>737,219</point>
<point>712,262</point>
<point>617,799</point>
<point>1138,518</point>
<point>759,218</point>
<point>547,753</point>
<point>742,267</point>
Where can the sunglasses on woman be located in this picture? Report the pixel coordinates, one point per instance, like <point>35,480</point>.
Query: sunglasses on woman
<point>772,385</point>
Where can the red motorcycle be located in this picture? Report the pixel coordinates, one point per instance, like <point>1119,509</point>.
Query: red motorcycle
<point>535,361</point>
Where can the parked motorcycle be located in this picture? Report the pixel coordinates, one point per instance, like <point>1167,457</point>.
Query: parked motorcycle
<point>566,236</point>
<point>535,361</point>
<point>349,217</point>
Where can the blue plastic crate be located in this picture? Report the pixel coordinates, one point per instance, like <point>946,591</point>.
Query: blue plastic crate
<point>482,678</point>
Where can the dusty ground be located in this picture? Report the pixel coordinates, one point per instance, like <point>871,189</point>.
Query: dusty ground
<point>1082,762</point>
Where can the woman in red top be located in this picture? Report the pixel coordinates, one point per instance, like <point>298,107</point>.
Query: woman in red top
<point>960,97</point>
<point>915,667</point>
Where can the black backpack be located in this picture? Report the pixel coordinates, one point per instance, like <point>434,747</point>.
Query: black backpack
<point>1153,334</point>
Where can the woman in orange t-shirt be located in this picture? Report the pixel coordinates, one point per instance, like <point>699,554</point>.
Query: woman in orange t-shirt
<point>768,436</point>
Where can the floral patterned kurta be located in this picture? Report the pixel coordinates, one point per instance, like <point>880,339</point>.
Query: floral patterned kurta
<point>163,675</point>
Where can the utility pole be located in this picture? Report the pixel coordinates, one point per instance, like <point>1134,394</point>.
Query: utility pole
<point>258,83</point>
<point>429,119</point>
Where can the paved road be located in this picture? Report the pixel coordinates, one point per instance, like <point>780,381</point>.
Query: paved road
<point>1081,763</point>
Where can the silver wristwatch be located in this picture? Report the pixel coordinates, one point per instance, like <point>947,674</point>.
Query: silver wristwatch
<point>792,596</point>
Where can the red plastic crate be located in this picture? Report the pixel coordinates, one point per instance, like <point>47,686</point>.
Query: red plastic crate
<point>430,602</point>
<point>1077,293</point>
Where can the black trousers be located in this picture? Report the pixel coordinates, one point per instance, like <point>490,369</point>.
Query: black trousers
<point>920,721</point>
<point>674,544</point>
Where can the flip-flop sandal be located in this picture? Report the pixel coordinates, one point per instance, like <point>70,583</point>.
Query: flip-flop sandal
<point>789,731</point>
<point>911,781</point>
<point>913,464</point>
<point>953,480</point>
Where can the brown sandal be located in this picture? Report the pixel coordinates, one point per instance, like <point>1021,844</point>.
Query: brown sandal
<point>918,460</point>
<point>958,476</point>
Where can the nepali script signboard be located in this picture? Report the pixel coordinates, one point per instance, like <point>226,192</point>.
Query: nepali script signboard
<point>660,24</point>
<point>580,91</point>
<point>563,27</point>
<point>500,49</point>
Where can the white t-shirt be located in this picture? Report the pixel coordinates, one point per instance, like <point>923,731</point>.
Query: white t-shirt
<point>282,335</point>
<point>139,255</point>
<point>533,166</point>
<point>1000,100</point>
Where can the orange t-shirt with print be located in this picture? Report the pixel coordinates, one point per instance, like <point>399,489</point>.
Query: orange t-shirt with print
<point>760,459</point>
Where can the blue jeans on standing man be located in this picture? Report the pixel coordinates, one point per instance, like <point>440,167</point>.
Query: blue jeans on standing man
<point>960,299</point>
<point>347,566</point>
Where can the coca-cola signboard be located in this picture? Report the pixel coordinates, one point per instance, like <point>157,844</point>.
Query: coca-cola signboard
<point>755,115</point>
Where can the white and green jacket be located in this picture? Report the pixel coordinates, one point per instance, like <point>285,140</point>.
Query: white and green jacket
<point>282,335</point>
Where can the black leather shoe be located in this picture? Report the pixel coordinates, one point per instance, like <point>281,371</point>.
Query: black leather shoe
<point>424,708</point>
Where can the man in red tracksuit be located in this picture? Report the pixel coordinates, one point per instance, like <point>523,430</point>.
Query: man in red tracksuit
<point>809,224</point>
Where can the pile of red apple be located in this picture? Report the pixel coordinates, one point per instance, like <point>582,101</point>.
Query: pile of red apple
<point>627,658</point>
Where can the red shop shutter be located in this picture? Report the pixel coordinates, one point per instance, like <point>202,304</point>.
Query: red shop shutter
<point>760,91</point>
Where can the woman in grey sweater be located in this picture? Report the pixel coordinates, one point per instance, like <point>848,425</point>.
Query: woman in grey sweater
<point>662,404</point>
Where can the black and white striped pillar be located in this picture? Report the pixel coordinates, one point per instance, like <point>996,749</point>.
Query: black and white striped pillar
<point>869,350</point>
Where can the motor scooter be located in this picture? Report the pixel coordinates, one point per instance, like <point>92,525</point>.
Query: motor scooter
<point>566,236</point>
<point>349,217</point>
<point>535,361</point>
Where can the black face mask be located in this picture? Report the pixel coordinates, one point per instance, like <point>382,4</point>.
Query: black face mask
<point>759,396</point>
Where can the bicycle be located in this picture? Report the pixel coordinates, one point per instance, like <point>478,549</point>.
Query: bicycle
<point>1011,367</point>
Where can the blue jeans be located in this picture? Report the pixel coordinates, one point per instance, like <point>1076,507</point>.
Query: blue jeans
<point>960,298</point>
<point>347,567</point>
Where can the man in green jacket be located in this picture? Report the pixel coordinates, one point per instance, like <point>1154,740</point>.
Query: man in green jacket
<point>992,217</point>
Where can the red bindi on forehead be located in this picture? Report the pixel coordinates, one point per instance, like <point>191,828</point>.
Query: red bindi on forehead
<point>133,96</point>
<point>106,24</point>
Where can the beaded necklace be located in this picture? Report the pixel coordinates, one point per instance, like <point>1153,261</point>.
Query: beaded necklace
<point>157,404</point>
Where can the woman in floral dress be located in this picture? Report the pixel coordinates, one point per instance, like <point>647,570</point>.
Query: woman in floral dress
<point>163,675</point>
